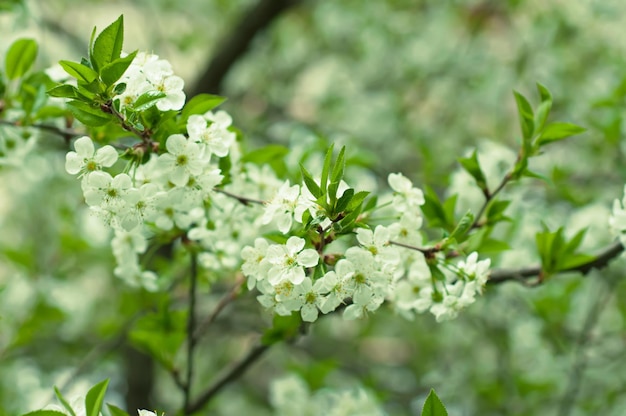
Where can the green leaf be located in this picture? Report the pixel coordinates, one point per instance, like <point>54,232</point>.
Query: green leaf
<point>147,99</point>
<point>108,45</point>
<point>45,413</point>
<point>490,245</point>
<point>343,202</point>
<point>462,227</point>
<point>434,210</point>
<point>63,91</point>
<point>95,398</point>
<point>495,212</point>
<point>340,163</point>
<point>433,406</point>
<point>541,116</point>
<point>283,328</point>
<point>357,200</point>
<point>526,116</point>
<point>328,159</point>
<point>81,72</point>
<point>472,166</point>
<point>88,115</point>
<point>544,93</point>
<point>20,57</point>
<point>64,402</point>
<point>436,272</point>
<point>200,104</point>
<point>116,411</point>
<point>113,71</point>
<point>310,182</point>
<point>558,131</point>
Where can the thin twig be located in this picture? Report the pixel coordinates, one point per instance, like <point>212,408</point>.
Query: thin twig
<point>244,200</point>
<point>65,133</point>
<point>231,375</point>
<point>489,196</point>
<point>427,251</point>
<point>191,325</point>
<point>598,262</point>
<point>225,300</point>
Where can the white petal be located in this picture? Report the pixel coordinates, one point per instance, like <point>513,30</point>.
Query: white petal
<point>84,147</point>
<point>73,163</point>
<point>106,156</point>
<point>295,244</point>
<point>176,144</point>
<point>308,258</point>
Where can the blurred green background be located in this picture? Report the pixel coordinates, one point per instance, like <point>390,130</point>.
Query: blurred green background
<point>408,86</point>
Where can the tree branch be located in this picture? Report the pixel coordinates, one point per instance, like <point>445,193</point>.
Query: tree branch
<point>233,374</point>
<point>191,326</point>
<point>598,262</point>
<point>252,22</point>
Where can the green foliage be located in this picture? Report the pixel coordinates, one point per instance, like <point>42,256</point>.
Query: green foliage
<point>64,402</point>
<point>107,47</point>
<point>472,166</point>
<point>200,104</point>
<point>20,57</point>
<point>116,411</point>
<point>283,328</point>
<point>557,254</point>
<point>95,398</point>
<point>433,406</point>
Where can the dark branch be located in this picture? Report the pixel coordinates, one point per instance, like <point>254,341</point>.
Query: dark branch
<point>252,22</point>
<point>233,374</point>
<point>191,327</point>
<point>244,200</point>
<point>598,262</point>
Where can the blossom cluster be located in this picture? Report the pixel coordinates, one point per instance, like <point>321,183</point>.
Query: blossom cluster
<point>147,73</point>
<point>172,192</point>
<point>367,274</point>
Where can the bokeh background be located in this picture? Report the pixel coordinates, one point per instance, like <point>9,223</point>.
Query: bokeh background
<point>407,86</point>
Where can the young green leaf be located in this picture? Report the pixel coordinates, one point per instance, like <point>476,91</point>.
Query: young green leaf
<point>342,203</point>
<point>326,169</point>
<point>526,116</point>
<point>108,45</point>
<point>462,227</point>
<point>81,72</point>
<point>20,57</point>
<point>340,163</point>
<point>283,328</point>
<point>116,411</point>
<point>310,182</point>
<point>113,71</point>
<point>558,131</point>
<point>45,413</point>
<point>63,91</point>
<point>200,104</point>
<point>472,166</point>
<point>64,402</point>
<point>147,99</point>
<point>433,406</point>
<point>544,93</point>
<point>95,398</point>
<point>88,115</point>
<point>357,200</point>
